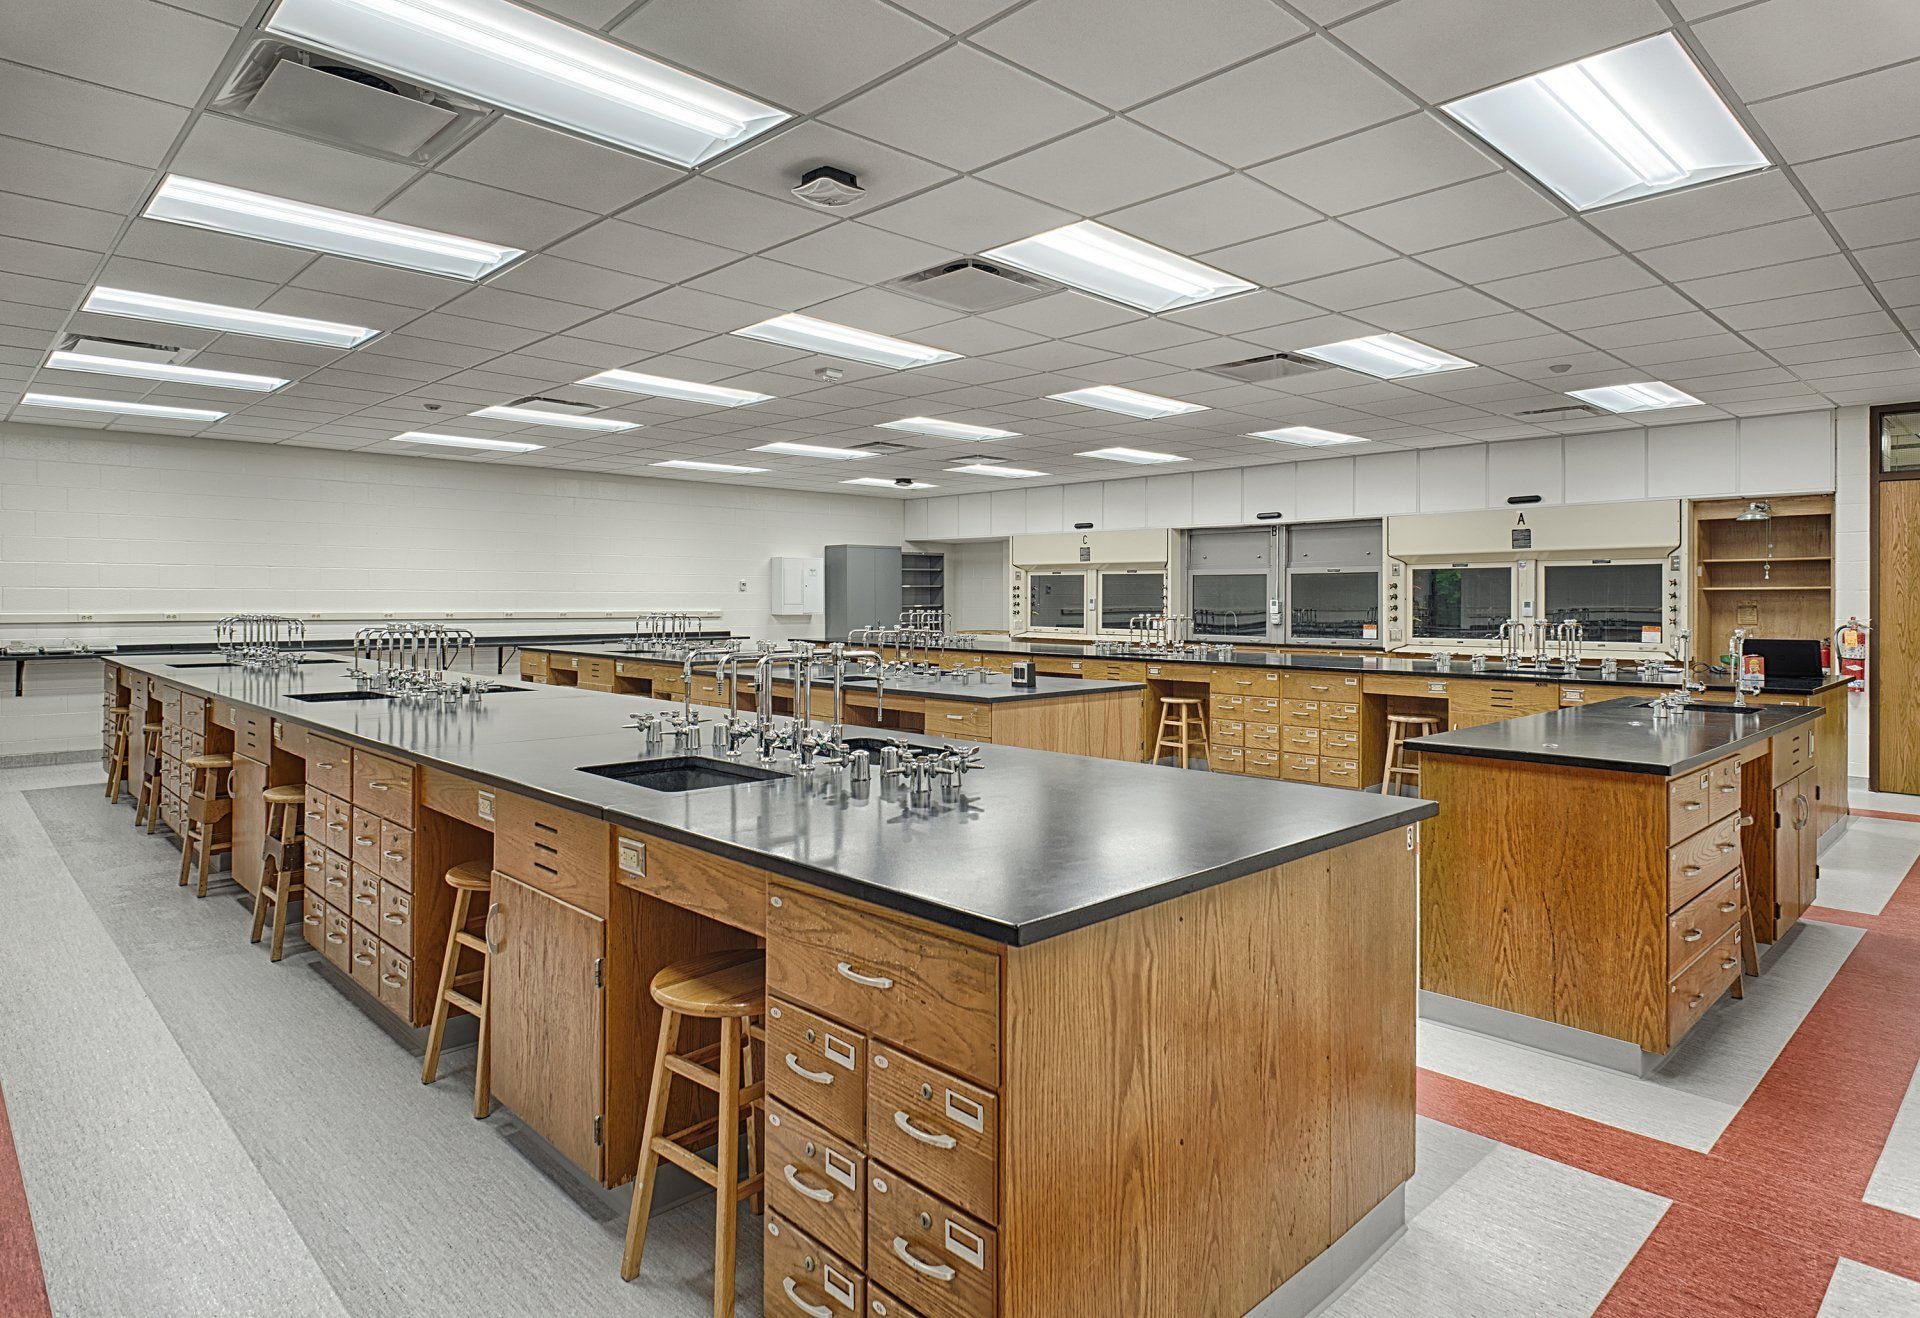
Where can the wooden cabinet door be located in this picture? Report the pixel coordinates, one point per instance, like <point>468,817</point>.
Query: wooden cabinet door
<point>548,1017</point>
<point>1795,839</point>
<point>1809,839</point>
<point>249,820</point>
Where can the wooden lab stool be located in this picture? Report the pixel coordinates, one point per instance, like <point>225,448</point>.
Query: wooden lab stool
<point>117,759</point>
<point>1401,729</point>
<point>207,806</point>
<point>1180,715</point>
<point>730,987</point>
<point>147,809</point>
<point>465,880</point>
<point>283,874</point>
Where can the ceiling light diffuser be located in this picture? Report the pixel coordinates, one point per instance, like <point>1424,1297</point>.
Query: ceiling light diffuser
<point>994,469</point>
<point>1127,402</point>
<point>203,205</point>
<point>1615,126</point>
<point>533,416</point>
<point>537,67</point>
<point>793,450</point>
<point>892,485</point>
<point>687,391</point>
<point>1140,456</point>
<point>1648,396</point>
<point>1095,259</point>
<point>927,425</point>
<point>465,441</point>
<point>228,320</point>
<point>686,464</point>
<point>139,370</point>
<point>1306,435</point>
<point>1386,357</point>
<point>126,409</point>
<point>823,336</point>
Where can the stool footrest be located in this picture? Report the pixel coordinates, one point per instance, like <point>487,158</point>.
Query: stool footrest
<point>703,1076</point>
<point>462,1001</point>
<point>474,941</point>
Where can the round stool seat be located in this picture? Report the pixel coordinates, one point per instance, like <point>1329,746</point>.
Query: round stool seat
<point>210,761</point>
<point>121,711</point>
<point>470,875</point>
<point>152,727</point>
<point>1425,720</point>
<point>288,794</point>
<point>714,986</point>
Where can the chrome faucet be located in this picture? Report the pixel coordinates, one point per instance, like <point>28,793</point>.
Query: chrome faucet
<point>1744,683</point>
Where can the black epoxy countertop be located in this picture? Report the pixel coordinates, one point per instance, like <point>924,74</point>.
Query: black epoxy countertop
<point>1036,845</point>
<point>1622,735</point>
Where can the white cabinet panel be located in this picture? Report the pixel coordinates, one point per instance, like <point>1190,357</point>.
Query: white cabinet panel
<point>1453,479</point>
<point>1046,509</point>
<point>915,514</point>
<point>943,518</point>
<point>1123,504</point>
<point>1269,490</point>
<point>1789,453</point>
<point>1170,501</point>
<point>1009,512</point>
<point>974,515</point>
<point>1607,466</point>
<point>1526,467</point>
<point>1216,497</point>
<point>1692,459</point>
<point>1082,503</point>
<point>1325,489</point>
<point>1385,484</point>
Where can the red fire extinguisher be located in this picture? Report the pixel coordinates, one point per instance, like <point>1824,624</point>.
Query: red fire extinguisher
<point>1850,643</point>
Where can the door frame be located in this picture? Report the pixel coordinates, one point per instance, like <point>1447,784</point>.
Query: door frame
<point>1880,476</point>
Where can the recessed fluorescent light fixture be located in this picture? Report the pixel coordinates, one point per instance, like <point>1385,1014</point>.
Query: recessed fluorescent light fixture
<point>139,370</point>
<point>1306,435</point>
<point>537,67</point>
<point>1106,262</point>
<point>533,416</point>
<point>465,441</point>
<point>891,485</point>
<point>125,409</point>
<point>687,391</point>
<point>927,425</point>
<point>686,464</point>
<point>1386,357</point>
<point>793,450</point>
<point>1615,126</point>
<point>204,205</point>
<point>1140,456</point>
<point>1649,396</point>
<point>994,469</point>
<point>228,320</point>
<point>823,336</point>
<point>1127,402</point>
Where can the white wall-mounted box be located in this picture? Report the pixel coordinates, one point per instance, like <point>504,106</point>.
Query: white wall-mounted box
<point>798,585</point>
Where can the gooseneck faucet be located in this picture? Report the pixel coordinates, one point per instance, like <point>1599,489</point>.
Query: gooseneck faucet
<point>1744,684</point>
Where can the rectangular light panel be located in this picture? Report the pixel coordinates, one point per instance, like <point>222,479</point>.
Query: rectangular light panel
<point>823,336</point>
<point>92,364</point>
<point>1386,357</point>
<point>1095,259</point>
<point>1649,396</point>
<point>204,205</point>
<point>687,391</point>
<point>1127,402</point>
<point>793,450</point>
<point>994,469</point>
<point>1616,126</point>
<point>1140,456</point>
<point>533,416</point>
<point>927,425</point>
<point>465,441</point>
<point>228,320</point>
<point>1306,435</point>
<point>891,485</point>
<point>155,410</point>
<point>687,464</point>
<point>537,67</point>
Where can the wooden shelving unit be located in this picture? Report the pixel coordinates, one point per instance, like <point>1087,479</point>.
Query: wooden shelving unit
<point>1775,577</point>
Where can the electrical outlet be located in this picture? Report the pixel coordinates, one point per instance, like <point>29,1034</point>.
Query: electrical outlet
<point>170,617</point>
<point>86,617</point>
<point>743,583</point>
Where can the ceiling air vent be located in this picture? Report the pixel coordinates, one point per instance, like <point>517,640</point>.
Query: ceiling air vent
<point>884,446</point>
<point>972,286</point>
<point>95,346</point>
<point>546,404</point>
<point>1260,370</point>
<point>322,97</point>
<point>1570,412</point>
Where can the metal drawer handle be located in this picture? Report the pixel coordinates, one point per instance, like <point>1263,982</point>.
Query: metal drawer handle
<point>363,842</point>
<point>1729,963</point>
<point>957,718</point>
<point>1724,847</point>
<point>1692,936</point>
<point>817,1310</point>
<point>938,1271</point>
<point>326,764</point>
<point>1728,908</point>
<point>363,899</point>
<point>818,1077</point>
<point>1696,805</point>
<point>392,917</point>
<point>869,981</point>
<point>336,825</point>
<point>392,981</point>
<point>1689,870</point>
<point>335,938</point>
<point>493,943</point>
<point>394,855</point>
<point>905,1123</point>
<point>793,1179</point>
<point>315,814</point>
<point>1696,999</point>
<point>362,959</point>
<point>379,785</point>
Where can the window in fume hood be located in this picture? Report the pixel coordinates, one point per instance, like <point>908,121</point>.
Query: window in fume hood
<point>1333,606</point>
<point>1611,601</point>
<point>1229,604</point>
<point>1123,595</point>
<point>1461,603</point>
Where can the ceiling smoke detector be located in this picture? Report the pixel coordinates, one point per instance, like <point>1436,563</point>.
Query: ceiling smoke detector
<point>829,188</point>
<point>972,286</point>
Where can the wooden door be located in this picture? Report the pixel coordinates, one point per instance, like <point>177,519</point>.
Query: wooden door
<point>548,1017</point>
<point>1796,839</point>
<point>249,821</point>
<point>1895,667</point>
<point>1808,870</point>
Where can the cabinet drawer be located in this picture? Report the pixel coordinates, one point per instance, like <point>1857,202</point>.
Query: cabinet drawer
<point>336,943</point>
<point>365,966</point>
<point>1263,764</point>
<point>364,838</point>
<point>1227,732</point>
<point>908,985</point>
<point>396,855</point>
<point>1226,759</point>
<point>329,766</point>
<point>1702,860</point>
<point>1700,985</point>
<point>1345,745</point>
<point>1227,707</point>
<point>337,883</point>
<point>1321,686</point>
<point>314,874</point>
<point>817,1180</point>
<point>1701,922</point>
<point>802,1277</point>
<point>1341,716</point>
<point>313,818</point>
<point>1792,755</point>
<point>817,1067</point>
<point>457,798</point>
<point>383,786</point>
<point>597,673</point>
<point>930,1254</point>
<point>882,1305</point>
<point>566,663</point>
<point>252,734</point>
<point>1301,741</point>
<point>396,916</point>
<point>945,718</point>
<point>313,918</point>
<point>1300,768</point>
<point>935,1128</point>
<point>365,907</point>
<point>338,837</point>
<point>1300,713</point>
<point>718,888</point>
<point>564,854</point>
<point>1262,736</point>
<point>1339,773</point>
<point>1261,709</point>
<point>533,666</point>
<point>1244,682</point>
<point>396,983</point>
<point>1697,799</point>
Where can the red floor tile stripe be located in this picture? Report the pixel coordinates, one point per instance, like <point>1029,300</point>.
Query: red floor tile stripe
<point>23,1290</point>
<point>1885,814</point>
<point>1713,1264</point>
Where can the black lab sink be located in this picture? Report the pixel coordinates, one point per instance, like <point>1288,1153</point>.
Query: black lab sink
<point>329,697</point>
<point>1713,707</point>
<point>682,773</point>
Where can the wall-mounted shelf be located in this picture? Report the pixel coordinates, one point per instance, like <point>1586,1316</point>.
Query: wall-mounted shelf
<point>1773,577</point>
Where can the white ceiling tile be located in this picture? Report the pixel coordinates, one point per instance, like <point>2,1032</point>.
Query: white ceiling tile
<point>1613,274</point>
<point>139,47</point>
<point>1007,110</point>
<point>261,159</point>
<point>1226,210</point>
<point>572,281</point>
<point>1317,249</point>
<point>883,312</point>
<point>1893,261</point>
<point>79,116</point>
<point>203,249</point>
<point>38,292</point>
<point>37,170</point>
<point>1614,308</point>
<point>1881,222</point>
<point>1332,11</point>
<point>1112,164</point>
<point>649,253</point>
<point>1447,48</point>
<point>968,216</point>
<point>1478,208</point>
<point>462,329</point>
<point>636,332</point>
<point>1874,174</point>
<point>774,166</point>
<point>957,15</point>
<point>1141,336</point>
<point>768,282</point>
<point>859,252</point>
<point>1297,96</point>
<point>473,210</point>
<point>505,307</point>
<point>168,280</point>
<point>1543,247</point>
<point>57,222</point>
<point>1410,314</point>
<point>1842,116</point>
<point>1653,329</point>
<point>684,306</point>
<point>1386,282</point>
<point>1900,293</point>
<point>1811,276</point>
<point>1771,244</point>
<point>1119,54</point>
<point>1501,327</point>
<point>715,212</point>
<point>1804,306</point>
<point>1255,310</point>
<point>524,157</point>
<point>1784,45</point>
<point>799,57</point>
<point>1413,154</point>
<point>1820,331</point>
